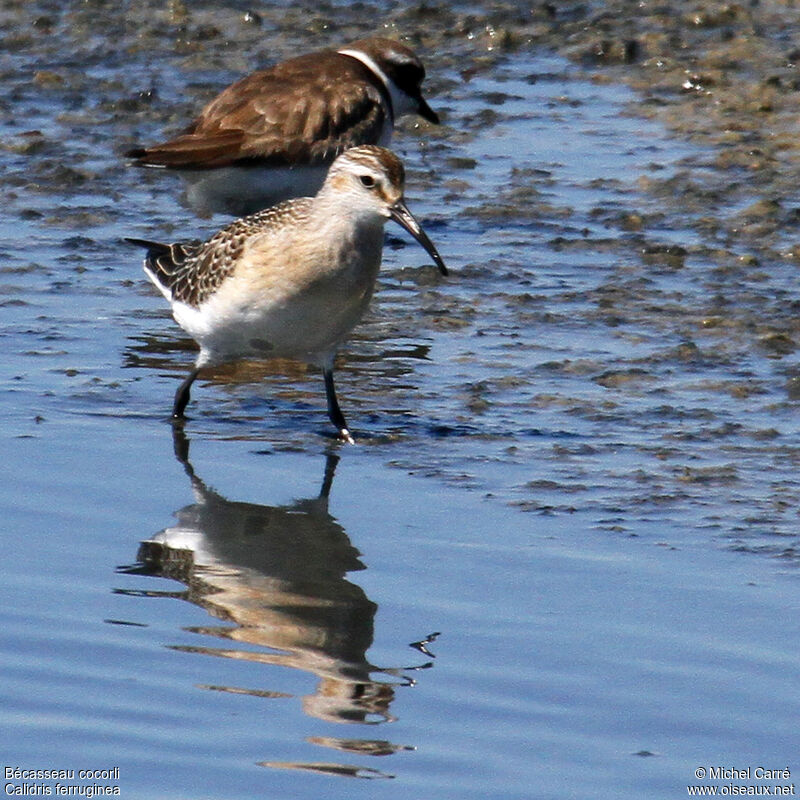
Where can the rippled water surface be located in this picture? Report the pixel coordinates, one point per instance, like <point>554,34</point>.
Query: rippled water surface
<point>562,559</point>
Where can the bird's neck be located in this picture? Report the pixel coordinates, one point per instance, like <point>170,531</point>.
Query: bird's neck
<point>399,102</point>
<point>345,227</point>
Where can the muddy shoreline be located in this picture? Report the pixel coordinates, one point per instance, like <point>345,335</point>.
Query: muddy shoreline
<point>675,327</point>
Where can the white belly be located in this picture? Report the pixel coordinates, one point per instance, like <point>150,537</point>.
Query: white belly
<point>240,191</point>
<point>281,319</point>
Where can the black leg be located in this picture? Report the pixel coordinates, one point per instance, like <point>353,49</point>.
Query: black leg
<point>334,412</point>
<point>182,395</point>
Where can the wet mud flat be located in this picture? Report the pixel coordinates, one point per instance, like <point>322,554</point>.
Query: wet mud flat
<point>723,231</point>
<point>723,76</point>
<point>651,312</point>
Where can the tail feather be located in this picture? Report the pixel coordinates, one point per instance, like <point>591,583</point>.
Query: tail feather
<point>154,249</point>
<point>165,264</point>
<point>191,151</point>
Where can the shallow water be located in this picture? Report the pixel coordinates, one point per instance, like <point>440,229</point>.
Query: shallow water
<point>562,559</point>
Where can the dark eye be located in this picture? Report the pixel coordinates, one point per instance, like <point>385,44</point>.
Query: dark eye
<point>368,181</point>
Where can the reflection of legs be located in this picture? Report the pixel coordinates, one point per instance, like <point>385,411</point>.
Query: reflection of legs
<point>182,395</point>
<point>334,412</point>
<point>331,460</point>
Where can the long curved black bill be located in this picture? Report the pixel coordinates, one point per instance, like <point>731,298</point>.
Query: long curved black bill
<point>400,214</point>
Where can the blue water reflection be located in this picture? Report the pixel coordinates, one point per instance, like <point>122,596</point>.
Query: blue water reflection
<point>277,576</point>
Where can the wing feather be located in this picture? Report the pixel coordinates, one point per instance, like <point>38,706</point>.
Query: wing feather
<point>303,111</point>
<point>190,272</point>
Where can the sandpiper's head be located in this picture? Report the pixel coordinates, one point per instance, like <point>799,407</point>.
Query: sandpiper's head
<point>400,70</point>
<point>371,179</point>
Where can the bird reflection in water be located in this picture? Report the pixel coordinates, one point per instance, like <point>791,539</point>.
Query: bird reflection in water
<point>278,574</point>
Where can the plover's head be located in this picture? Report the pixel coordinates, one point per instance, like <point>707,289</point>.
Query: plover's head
<point>399,69</point>
<point>370,180</point>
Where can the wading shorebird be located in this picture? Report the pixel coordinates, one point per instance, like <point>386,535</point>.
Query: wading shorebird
<point>292,280</point>
<point>273,134</point>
